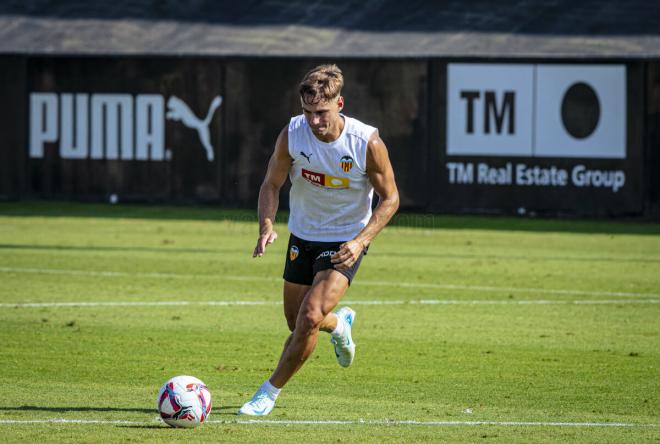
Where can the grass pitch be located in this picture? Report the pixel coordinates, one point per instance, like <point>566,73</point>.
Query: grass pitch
<point>468,329</point>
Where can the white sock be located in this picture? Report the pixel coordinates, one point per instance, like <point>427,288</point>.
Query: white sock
<point>272,391</point>
<point>340,329</point>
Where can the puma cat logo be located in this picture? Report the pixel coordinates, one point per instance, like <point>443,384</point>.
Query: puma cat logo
<point>179,111</point>
<point>306,156</point>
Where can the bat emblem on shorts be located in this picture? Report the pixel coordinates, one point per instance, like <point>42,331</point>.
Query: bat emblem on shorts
<point>293,253</point>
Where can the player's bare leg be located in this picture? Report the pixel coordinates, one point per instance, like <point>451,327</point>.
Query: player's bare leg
<point>304,306</point>
<point>314,313</point>
<point>294,294</point>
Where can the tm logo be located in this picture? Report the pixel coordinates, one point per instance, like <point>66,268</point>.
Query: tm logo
<point>112,126</point>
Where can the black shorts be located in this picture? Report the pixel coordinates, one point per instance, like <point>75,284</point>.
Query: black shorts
<point>306,258</point>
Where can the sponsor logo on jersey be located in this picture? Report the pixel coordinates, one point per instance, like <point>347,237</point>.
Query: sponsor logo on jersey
<point>293,253</point>
<point>346,163</point>
<point>325,180</point>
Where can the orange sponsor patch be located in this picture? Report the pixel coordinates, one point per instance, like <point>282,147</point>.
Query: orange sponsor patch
<point>325,180</point>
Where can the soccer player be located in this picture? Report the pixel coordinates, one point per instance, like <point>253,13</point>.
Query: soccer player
<point>334,163</point>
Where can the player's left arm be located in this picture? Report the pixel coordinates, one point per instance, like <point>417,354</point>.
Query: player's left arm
<point>381,176</point>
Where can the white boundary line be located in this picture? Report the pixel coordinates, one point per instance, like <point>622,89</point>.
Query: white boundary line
<point>366,302</point>
<point>386,422</point>
<point>441,423</point>
<point>474,288</point>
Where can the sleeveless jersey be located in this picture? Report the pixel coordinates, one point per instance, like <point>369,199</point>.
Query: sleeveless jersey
<point>330,197</point>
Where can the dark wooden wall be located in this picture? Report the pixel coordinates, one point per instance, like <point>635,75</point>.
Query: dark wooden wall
<point>405,98</point>
<point>652,156</point>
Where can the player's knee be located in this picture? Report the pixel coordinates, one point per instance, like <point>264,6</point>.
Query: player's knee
<point>309,321</point>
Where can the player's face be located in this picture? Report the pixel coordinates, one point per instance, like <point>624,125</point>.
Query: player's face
<point>323,117</point>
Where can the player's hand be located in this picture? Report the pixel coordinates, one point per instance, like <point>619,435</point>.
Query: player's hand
<point>349,252</point>
<point>263,241</point>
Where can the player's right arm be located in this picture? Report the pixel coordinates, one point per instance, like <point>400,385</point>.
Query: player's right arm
<point>269,193</point>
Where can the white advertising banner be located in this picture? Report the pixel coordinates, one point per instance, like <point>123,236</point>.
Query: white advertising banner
<point>536,110</point>
<point>581,111</point>
<point>489,109</point>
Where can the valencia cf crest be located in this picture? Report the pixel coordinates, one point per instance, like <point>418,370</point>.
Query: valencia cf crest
<point>346,163</point>
<point>293,253</point>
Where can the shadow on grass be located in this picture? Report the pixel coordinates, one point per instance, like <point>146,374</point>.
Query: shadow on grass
<point>230,409</point>
<point>34,408</point>
<point>225,410</point>
<point>154,426</point>
<point>410,220</point>
<point>106,248</point>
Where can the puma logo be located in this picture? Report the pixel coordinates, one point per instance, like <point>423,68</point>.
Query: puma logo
<point>178,110</point>
<point>306,156</point>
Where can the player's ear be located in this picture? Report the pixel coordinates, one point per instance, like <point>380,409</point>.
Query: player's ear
<point>340,102</point>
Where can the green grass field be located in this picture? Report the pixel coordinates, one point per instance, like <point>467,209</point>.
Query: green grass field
<point>469,329</point>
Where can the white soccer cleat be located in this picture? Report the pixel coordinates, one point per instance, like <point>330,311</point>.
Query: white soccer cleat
<point>261,404</point>
<point>344,346</point>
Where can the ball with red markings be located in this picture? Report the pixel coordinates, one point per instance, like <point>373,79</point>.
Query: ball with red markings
<point>184,401</point>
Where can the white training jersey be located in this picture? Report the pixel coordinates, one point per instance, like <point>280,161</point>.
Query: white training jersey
<point>330,198</point>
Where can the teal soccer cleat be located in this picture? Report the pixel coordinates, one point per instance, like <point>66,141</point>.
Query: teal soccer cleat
<point>261,404</point>
<point>344,346</point>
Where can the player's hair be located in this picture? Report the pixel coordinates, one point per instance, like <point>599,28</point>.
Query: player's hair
<point>322,83</point>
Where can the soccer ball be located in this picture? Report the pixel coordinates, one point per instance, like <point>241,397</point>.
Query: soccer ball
<point>184,401</point>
